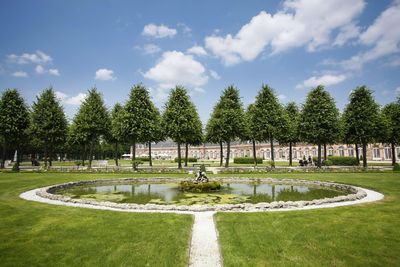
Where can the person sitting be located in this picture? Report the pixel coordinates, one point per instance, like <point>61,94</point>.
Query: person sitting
<point>301,163</point>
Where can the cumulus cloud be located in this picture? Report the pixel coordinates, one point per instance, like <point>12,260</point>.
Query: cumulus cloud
<point>104,75</point>
<point>398,91</point>
<point>158,31</point>
<point>38,57</point>
<point>20,74</point>
<point>54,72</point>
<point>215,75</point>
<point>197,50</point>
<point>175,68</point>
<point>347,33</point>
<point>39,69</point>
<point>281,97</point>
<point>325,80</point>
<point>383,36</point>
<point>70,100</point>
<point>300,23</point>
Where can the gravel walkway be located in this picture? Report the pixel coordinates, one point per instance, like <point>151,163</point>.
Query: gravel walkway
<point>204,248</point>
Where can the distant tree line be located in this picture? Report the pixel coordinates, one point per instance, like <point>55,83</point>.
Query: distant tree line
<point>95,131</point>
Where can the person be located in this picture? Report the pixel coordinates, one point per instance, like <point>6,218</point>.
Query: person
<point>310,159</point>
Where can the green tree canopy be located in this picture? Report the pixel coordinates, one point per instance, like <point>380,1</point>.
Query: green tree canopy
<point>49,125</point>
<point>319,119</point>
<point>392,114</point>
<point>14,122</point>
<point>214,130</point>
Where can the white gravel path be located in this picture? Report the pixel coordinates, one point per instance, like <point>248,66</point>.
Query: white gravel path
<point>204,248</point>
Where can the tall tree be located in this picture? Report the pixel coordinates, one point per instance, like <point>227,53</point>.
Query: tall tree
<point>362,120</point>
<point>251,129</point>
<point>289,131</point>
<point>176,119</point>
<point>215,131</point>
<point>14,122</point>
<point>195,134</point>
<point>49,125</point>
<point>117,133</point>
<point>91,122</point>
<point>231,118</point>
<point>140,118</point>
<point>392,114</point>
<point>267,117</point>
<point>320,119</point>
<point>154,131</point>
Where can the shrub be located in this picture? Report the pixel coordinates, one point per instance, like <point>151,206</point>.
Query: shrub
<point>396,167</point>
<point>189,159</point>
<point>343,161</point>
<point>143,158</point>
<point>247,160</point>
<point>190,186</point>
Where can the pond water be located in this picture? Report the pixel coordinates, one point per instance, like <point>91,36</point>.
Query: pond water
<point>230,193</point>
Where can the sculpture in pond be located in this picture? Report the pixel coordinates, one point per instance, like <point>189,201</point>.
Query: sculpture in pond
<point>201,176</point>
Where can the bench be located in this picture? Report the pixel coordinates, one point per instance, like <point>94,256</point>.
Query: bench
<point>198,164</point>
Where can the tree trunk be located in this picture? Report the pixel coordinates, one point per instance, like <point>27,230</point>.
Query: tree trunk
<point>179,156</point>
<point>90,154</point>
<point>319,156</point>
<point>134,165</point>
<point>221,162</point>
<point>325,152</point>
<point>150,159</point>
<point>45,157</point>
<point>3,161</point>
<point>186,153</point>
<point>254,153</point>
<point>357,155</point>
<point>364,145</point>
<point>18,159</point>
<point>271,140</point>
<point>116,153</point>
<point>290,154</point>
<point>393,154</point>
<point>50,156</point>
<point>228,152</point>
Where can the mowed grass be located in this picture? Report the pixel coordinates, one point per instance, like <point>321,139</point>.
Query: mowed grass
<point>362,235</point>
<point>36,234</point>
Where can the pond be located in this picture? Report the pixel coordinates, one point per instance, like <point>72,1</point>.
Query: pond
<point>169,193</point>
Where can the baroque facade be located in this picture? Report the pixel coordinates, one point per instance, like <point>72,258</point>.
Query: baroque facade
<point>168,150</point>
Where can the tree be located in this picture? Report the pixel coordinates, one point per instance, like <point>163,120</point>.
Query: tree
<point>141,119</point>
<point>154,131</point>
<point>91,122</point>
<point>267,117</point>
<point>195,134</point>
<point>362,118</point>
<point>289,131</point>
<point>319,119</point>
<point>251,133</point>
<point>231,117</point>
<point>177,118</point>
<point>392,114</point>
<point>117,134</point>
<point>215,132</point>
<point>49,125</point>
<point>14,122</point>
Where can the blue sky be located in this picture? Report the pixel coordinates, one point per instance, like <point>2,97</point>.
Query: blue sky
<point>291,45</point>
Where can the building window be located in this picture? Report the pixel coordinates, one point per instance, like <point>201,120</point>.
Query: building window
<point>350,151</point>
<point>388,153</point>
<point>398,152</point>
<point>341,151</point>
<point>306,152</point>
<point>294,153</point>
<point>330,151</point>
<point>267,154</point>
<point>314,152</point>
<point>377,153</point>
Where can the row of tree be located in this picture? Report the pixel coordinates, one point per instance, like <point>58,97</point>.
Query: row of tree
<point>44,129</point>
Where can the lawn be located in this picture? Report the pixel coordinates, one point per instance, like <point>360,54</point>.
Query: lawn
<point>363,235</point>
<point>35,234</point>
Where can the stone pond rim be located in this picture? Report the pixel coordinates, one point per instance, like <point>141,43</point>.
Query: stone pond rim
<point>355,193</point>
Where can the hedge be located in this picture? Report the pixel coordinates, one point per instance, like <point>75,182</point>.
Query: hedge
<point>247,160</point>
<point>189,159</point>
<point>338,161</point>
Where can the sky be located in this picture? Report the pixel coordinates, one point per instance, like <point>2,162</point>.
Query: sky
<point>291,45</point>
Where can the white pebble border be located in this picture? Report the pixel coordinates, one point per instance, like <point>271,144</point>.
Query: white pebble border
<point>204,248</point>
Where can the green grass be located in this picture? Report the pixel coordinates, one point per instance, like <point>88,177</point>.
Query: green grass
<point>36,234</point>
<point>362,235</point>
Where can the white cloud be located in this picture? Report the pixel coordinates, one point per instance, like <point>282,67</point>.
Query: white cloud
<point>197,50</point>
<point>281,97</point>
<point>160,31</point>
<point>398,91</point>
<point>104,75</point>
<point>176,68</point>
<point>54,72</point>
<point>20,74</point>
<point>347,33</point>
<point>300,23</point>
<point>70,100</point>
<point>39,69</point>
<point>185,28</point>
<point>151,49</point>
<point>325,80</point>
<point>38,57</point>
<point>215,75</point>
<point>383,35</point>
<point>199,90</point>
